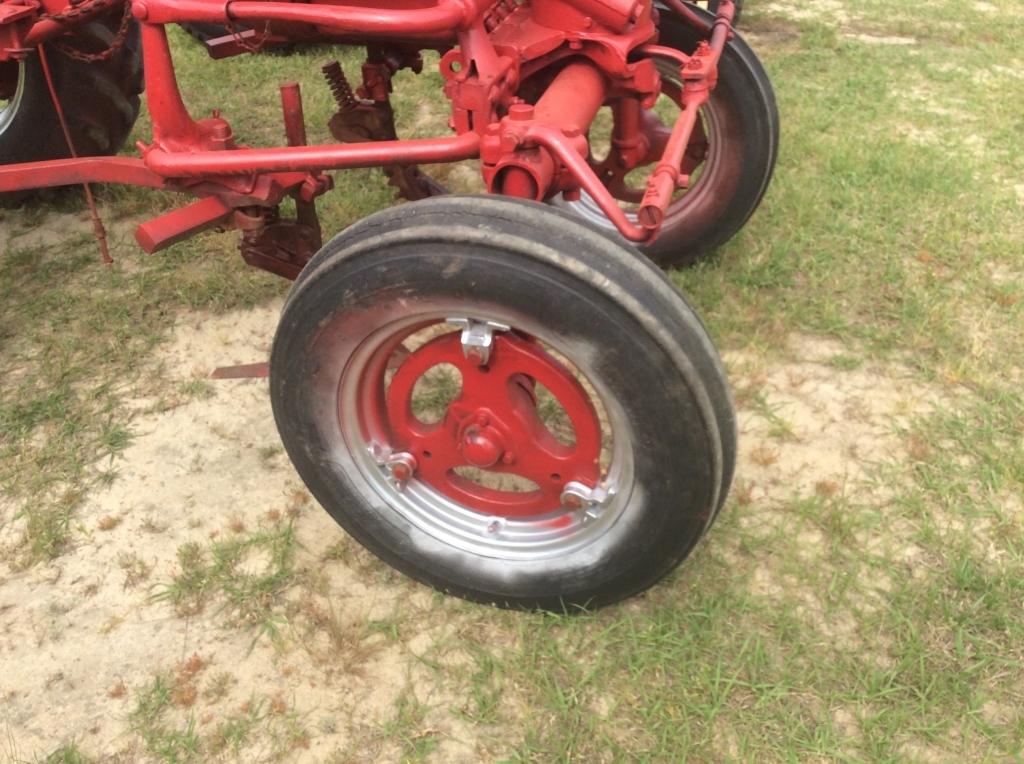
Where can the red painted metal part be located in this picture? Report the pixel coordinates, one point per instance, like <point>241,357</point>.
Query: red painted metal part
<point>199,164</point>
<point>259,370</point>
<point>178,225</point>
<point>567,58</point>
<point>494,426</point>
<point>66,172</point>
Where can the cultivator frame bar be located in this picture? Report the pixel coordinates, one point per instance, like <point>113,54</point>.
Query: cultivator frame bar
<point>525,80</point>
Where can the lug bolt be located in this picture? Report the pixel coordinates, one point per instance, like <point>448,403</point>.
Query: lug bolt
<point>401,467</point>
<point>572,501</point>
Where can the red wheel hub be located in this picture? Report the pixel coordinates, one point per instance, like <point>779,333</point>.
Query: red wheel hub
<point>494,425</point>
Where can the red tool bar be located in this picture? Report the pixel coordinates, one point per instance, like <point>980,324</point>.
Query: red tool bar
<point>66,172</point>
<point>308,158</point>
<point>399,19</point>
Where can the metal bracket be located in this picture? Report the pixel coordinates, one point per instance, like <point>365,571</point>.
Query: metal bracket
<point>591,501</point>
<point>477,338</point>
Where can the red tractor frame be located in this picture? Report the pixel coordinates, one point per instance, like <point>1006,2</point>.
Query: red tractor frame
<point>521,299</point>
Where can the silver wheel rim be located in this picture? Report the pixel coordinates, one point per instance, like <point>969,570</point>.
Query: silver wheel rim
<point>9,108</point>
<point>521,539</point>
<point>588,209</point>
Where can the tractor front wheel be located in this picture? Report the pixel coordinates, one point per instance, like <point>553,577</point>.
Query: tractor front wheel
<point>504,403</point>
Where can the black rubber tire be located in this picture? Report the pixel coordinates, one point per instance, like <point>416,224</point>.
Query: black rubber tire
<point>744,103</point>
<point>100,100</point>
<point>593,293</point>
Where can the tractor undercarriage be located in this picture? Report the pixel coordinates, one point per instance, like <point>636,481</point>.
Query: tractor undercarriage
<point>525,81</point>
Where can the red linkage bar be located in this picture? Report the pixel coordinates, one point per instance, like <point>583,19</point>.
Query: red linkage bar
<point>554,141</point>
<point>172,164</point>
<point>67,172</point>
<point>700,74</point>
<point>403,19</point>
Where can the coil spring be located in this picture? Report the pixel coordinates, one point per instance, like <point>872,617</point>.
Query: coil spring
<point>338,83</point>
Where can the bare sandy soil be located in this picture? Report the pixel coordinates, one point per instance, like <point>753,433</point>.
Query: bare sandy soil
<point>81,638</point>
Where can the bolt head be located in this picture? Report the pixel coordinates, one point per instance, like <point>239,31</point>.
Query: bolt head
<point>572,501</point>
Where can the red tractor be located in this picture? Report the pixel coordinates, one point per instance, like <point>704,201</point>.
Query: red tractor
<point>578,435</point>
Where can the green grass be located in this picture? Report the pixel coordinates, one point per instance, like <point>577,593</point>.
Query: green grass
<point>250,598</point>
<point>876,622</point>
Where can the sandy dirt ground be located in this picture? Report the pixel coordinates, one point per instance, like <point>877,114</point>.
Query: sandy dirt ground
<point>80,639</point>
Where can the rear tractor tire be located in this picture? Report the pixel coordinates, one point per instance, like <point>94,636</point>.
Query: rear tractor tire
<point>503,402</point>
<point>100,99</point>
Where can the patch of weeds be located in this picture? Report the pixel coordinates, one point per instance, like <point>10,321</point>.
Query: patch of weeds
<point>408,729</point>
<point>136,571</point>
<point>326,634</point>
<point>844,362</point>
<point>197,389</point>
<point>270,452</point>
<point>779,428</point>
<point>47,526</point>
<point>485,688</point>
<point>165,740</point>
<point>69,753</point>
<point>218,686</point>
<point>233,732</point>
<point>285,728</point>
<point>247,574</point>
